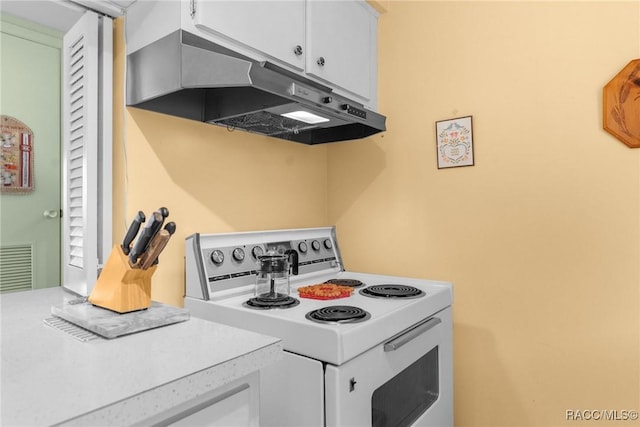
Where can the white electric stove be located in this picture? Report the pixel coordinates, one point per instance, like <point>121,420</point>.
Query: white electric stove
<point>381,360</point>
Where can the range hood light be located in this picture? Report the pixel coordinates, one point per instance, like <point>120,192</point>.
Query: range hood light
<point>305,116</point>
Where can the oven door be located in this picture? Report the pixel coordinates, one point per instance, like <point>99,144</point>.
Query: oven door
<point>406,381</point>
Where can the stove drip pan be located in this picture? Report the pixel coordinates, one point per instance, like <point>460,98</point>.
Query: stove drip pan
<point>346,282</point>
<point>267,302</point>
<point>392,291</point>
<point>338,314</point>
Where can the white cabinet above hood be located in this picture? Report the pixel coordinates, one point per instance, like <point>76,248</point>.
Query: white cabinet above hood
<point>195,65</point>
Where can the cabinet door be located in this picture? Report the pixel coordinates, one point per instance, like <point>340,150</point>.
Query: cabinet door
<point>275,28</point>
<point>341,44</point>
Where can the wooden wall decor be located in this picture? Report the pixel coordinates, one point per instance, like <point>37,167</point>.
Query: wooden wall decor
<point>16,161</point>
<point>621,105</point>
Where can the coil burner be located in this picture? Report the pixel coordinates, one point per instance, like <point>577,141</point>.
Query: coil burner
<point>391,291</point>
<point>338,314</point>
<point>346,282</point>
<point>265,303</point>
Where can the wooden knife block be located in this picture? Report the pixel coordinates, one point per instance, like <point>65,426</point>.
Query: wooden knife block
<point>121,288</point>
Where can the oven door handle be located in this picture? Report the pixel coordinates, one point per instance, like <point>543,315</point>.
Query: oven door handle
<point>411,334</point>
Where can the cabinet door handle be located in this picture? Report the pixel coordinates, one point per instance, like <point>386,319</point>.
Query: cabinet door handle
<point>297,50</point>
<point>320,61</point>
<point>411,334</point>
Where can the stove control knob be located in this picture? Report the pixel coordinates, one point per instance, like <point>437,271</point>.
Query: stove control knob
<point>217,257</point>
<point>256,251</point>
<point>315,245</point>
<point>302,247</point>
<point>328,244</point>
<point>238,254</point>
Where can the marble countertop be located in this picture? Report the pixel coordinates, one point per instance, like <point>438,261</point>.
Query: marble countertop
<point>49,377</point>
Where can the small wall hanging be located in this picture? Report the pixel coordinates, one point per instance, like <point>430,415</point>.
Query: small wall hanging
<point>621,105</point>
<point>16,146</point>
<point>455,142</point>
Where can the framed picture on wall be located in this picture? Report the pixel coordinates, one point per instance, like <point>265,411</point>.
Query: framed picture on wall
<point>16,160</point>
<point>454,139</point>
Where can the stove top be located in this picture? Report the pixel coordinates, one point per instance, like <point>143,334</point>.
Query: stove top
<point>333,342</point>
<point>220,292</point>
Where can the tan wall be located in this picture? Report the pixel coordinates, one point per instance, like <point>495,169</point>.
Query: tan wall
<point>541,237</point>
<point>210,179</point>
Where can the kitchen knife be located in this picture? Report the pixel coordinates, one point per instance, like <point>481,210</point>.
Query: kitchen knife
<point>156,246</point>
<point>132,231</point>
<point>164,212</point>
<point>147,233</point>
<point>171,228</point>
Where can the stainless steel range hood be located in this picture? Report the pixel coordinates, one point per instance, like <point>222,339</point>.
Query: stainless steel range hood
<point>187,76</point>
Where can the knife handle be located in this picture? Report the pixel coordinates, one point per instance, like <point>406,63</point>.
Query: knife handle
<point>132,231</point>
<point>170,227</point>
<point>156,246</point>
<point>146,235</point>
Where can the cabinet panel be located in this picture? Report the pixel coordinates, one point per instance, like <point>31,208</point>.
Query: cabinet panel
<point>148,21</point>
<point>274,28</point>
<point>341,44</point>
<point>234,404</point>
<point>234,410</point>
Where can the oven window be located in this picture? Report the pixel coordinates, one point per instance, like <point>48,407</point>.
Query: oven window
<point>402,399</point>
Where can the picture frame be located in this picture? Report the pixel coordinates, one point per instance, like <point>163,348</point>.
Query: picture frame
<point>16,156</point>
<point>454,142</point>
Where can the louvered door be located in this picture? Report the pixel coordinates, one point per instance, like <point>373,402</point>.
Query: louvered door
<point>83,141</point>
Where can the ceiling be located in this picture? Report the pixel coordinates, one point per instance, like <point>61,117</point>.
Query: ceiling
<point>60,15</point>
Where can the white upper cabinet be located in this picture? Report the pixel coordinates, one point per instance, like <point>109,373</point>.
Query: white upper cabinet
<point>332,42</point>
<point>341,44</point>
<point>275,28</point>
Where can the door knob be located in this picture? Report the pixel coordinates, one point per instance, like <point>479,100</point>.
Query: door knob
<point>320,61</point>
<point>50,213</point>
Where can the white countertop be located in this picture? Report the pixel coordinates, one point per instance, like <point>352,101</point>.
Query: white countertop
<point>50,377</point>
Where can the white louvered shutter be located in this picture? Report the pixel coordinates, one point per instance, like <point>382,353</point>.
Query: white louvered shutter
<point>84,150</point>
